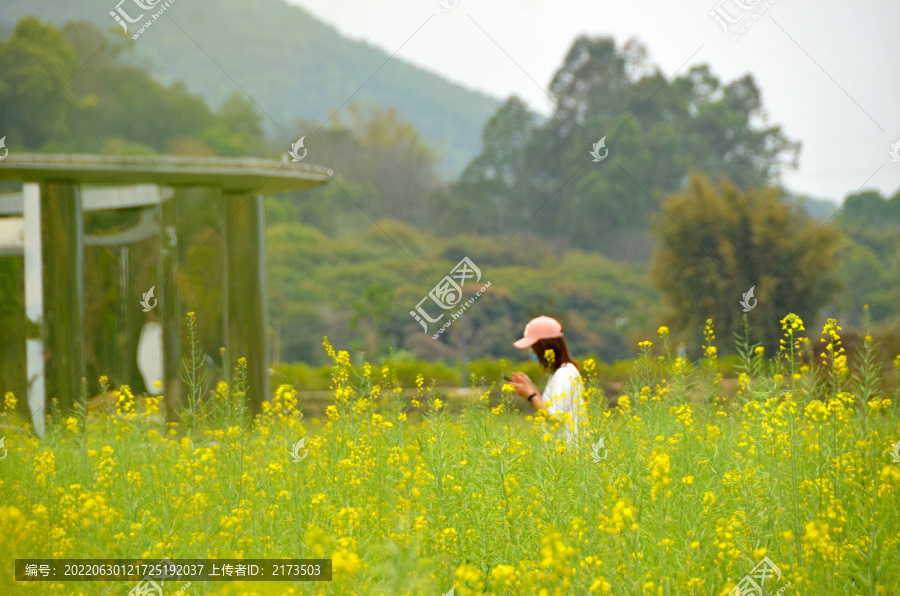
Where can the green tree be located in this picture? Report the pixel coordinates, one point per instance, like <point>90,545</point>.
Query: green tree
<point>872,220</point>
<point>35,63</point>
<point>870,264</point>
<point>236,129</point>
<point>488,184</point>
<point>121,108</point>
<point>386,154</point>
<point>111,106</point>
<point>370,312</point>
<point>656,131</point>
<point>715,244</point>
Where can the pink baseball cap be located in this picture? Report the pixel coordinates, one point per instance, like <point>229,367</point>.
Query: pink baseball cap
<point>537,329</point>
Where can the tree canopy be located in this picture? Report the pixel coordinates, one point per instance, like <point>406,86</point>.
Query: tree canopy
<point>715,244</point>
<point>110,106</point>
<point>656,130</point>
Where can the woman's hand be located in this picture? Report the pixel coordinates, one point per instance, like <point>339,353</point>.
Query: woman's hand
<point>523,384</point>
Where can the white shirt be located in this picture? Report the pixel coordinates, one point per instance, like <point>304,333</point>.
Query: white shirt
<point>564,394</point>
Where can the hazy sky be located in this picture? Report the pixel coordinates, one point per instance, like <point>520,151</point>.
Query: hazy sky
<point>829,70</point>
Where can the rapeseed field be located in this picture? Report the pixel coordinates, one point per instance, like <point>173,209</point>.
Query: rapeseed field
<point>674,486</point>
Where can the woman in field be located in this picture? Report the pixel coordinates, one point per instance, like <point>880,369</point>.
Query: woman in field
<point>563,394</point>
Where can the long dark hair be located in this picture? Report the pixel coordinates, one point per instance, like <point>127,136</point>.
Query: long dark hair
<point>560,353</point>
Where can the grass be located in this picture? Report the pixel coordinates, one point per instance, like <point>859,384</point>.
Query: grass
<point>693,489</point>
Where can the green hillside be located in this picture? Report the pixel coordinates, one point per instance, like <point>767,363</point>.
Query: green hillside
<point>292,65</point>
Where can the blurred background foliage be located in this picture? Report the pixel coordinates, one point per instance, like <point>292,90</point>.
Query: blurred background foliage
<point>685,214</point>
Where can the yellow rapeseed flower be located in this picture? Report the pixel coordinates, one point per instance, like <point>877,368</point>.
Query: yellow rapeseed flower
<point>345,561</point>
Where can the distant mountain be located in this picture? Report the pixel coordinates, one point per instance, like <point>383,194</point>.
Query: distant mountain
<point>292,65</point>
